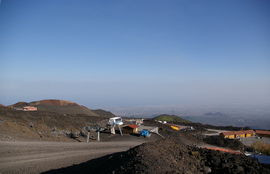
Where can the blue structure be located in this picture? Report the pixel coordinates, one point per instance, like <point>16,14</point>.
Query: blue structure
<point>145,133</point>
<point>265,159</point>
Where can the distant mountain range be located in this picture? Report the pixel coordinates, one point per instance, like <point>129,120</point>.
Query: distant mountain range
<point>221,119</point>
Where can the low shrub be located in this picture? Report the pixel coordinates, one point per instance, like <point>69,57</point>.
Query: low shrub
<point>262,147</point>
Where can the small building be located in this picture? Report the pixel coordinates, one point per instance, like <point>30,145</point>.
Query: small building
<point>238,134</point>
<point>262,133</point>
<point>130,129</point>
<point>177,127</point>
<point>29,108</point>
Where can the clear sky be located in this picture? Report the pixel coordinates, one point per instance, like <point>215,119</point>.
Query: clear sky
<point>123,53</point>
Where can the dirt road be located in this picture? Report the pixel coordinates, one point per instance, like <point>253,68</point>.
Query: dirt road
<point>36,157</point>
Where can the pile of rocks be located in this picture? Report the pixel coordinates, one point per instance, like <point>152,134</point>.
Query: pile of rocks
<point>169,156</point>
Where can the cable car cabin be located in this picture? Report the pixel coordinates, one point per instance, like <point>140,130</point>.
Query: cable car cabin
<point>115,121</point>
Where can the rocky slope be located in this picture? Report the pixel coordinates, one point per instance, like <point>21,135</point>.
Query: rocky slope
<point>58,106</point>
<point>41,125</point>
<point>104,113</point>
<point>55,120</point>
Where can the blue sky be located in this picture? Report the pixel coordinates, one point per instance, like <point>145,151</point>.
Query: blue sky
<point>126,53</point>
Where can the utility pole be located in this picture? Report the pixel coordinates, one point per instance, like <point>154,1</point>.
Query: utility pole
<point>88,136</point>
<point>98,135</point>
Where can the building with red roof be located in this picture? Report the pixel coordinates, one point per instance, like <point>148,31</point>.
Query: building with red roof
<point>262,133</point>
<point>130,129</point>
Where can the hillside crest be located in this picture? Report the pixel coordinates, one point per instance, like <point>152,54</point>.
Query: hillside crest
<point>58,106</point>
<point>170,118</point>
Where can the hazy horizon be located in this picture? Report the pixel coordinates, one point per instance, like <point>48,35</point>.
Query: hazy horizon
<point>136,54</point>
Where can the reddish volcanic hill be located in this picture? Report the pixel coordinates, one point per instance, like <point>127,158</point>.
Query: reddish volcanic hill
<point>62,106</point>
<point>58,106</point>
<point>54,102</point>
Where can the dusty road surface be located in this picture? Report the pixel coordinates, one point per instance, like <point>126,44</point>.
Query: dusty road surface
<point>36,157</point>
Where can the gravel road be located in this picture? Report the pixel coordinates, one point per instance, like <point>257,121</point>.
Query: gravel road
<point>36,157</point>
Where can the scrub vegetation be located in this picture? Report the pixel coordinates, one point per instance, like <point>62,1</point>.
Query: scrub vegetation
<point>261,147</point>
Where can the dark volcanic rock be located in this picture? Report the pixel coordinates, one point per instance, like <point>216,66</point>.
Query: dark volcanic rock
<point>231,163</point>
<point>168,156</point>
<point>220,141</point>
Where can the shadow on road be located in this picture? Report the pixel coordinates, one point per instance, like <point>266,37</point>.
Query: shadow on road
<point>92,166</point>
